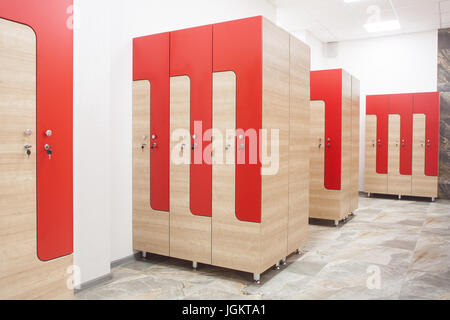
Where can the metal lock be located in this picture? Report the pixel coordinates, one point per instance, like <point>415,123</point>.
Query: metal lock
<point>28,132</point>
<point>48,133</point>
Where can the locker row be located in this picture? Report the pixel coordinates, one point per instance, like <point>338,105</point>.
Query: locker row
<point>236,78</point>
<point>236,214</point>
<point>402,144</point>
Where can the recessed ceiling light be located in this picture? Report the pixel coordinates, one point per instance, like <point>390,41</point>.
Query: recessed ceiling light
<point>382,26</point>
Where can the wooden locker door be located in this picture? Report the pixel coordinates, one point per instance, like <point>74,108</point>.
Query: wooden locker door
<point>323,203</point>
<point>373,182</point>
<point>237,46</point>
<point>190,235</point>
<point>422,185</point>
<point>355,145</point>
<point>22,274</point>
<point>156,71</point>
<point>235,243</point>
<point>150,227</point>
<point>191,55</point>
<point>397,183</point>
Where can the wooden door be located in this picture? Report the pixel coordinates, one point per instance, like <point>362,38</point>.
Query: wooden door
<point>22,274</point>
<point>235,243</point>
<point>422,185</point>
<point>323,203</point>
<point>374,182</point>
<point>190,236</point>
<point>150,227</point>
<point>397,183</point>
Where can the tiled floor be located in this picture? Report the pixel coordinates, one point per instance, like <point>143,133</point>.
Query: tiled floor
<point>406,243</point>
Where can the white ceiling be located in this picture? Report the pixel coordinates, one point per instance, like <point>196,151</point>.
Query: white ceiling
<point>335,20</point>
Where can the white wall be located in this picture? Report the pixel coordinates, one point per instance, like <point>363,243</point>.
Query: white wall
<point>398,64</point>
<point>92,139</point>
<point>102,112</point>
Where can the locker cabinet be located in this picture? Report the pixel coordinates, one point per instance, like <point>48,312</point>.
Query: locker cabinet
<point>35,149</point>
<point>402,136</point>
<point>334,144</point>
<point>230,206</point>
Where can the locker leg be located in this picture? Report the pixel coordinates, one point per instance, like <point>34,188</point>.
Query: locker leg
<point>299,252</point>
<point>277,266</point>
<point>257,278</point>
<point>336,223</point>
<point>144,255</point>
<point>368,194</point>
<point>194,265</point>
<point>433,199</point>
<point>283,261</point>
<point>399,197</point>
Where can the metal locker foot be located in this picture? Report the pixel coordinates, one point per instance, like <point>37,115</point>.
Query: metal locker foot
<point>368,194</point>
<point>399,197</point>
<point>257,278</point>
<point>277,266</point>
<point>194,265</point>
<point>283,261</point>
<point>336,223</point>
<point>433,199</point>
<point>144,255</point>
<point>298,252</point>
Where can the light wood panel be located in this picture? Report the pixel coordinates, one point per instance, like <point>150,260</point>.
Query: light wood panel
<point>190,235</point>
<point>235,244</point>
<point>422,185</point>
<point>275,116</point>
<point>347,145</point>
<point>299,144</point>
<point>22,274</point>
<point>150,227</point>
<point>374,182</point>
<point>355,145</point>
<point>397,183</point>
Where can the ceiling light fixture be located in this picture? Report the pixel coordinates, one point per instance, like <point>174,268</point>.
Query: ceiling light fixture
<point>382,26</point>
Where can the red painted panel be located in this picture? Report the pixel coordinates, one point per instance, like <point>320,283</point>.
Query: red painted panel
<point>379,105</point>
<point>237,46</point>
<point>191,55</point>
<point>50,20</point>
<point>151,62</point>
<point>326,85</point>
<point>402,104</point>
<point>428,103</point>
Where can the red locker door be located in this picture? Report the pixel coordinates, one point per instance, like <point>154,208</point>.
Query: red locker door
<point>428,103</point>
<point>50,21</point>
<point>402,104</point>
<point>326,85</point>
<point>151,62</point>
<point>379,105</point>
<point>191,55</point>
<point>237,47</point>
